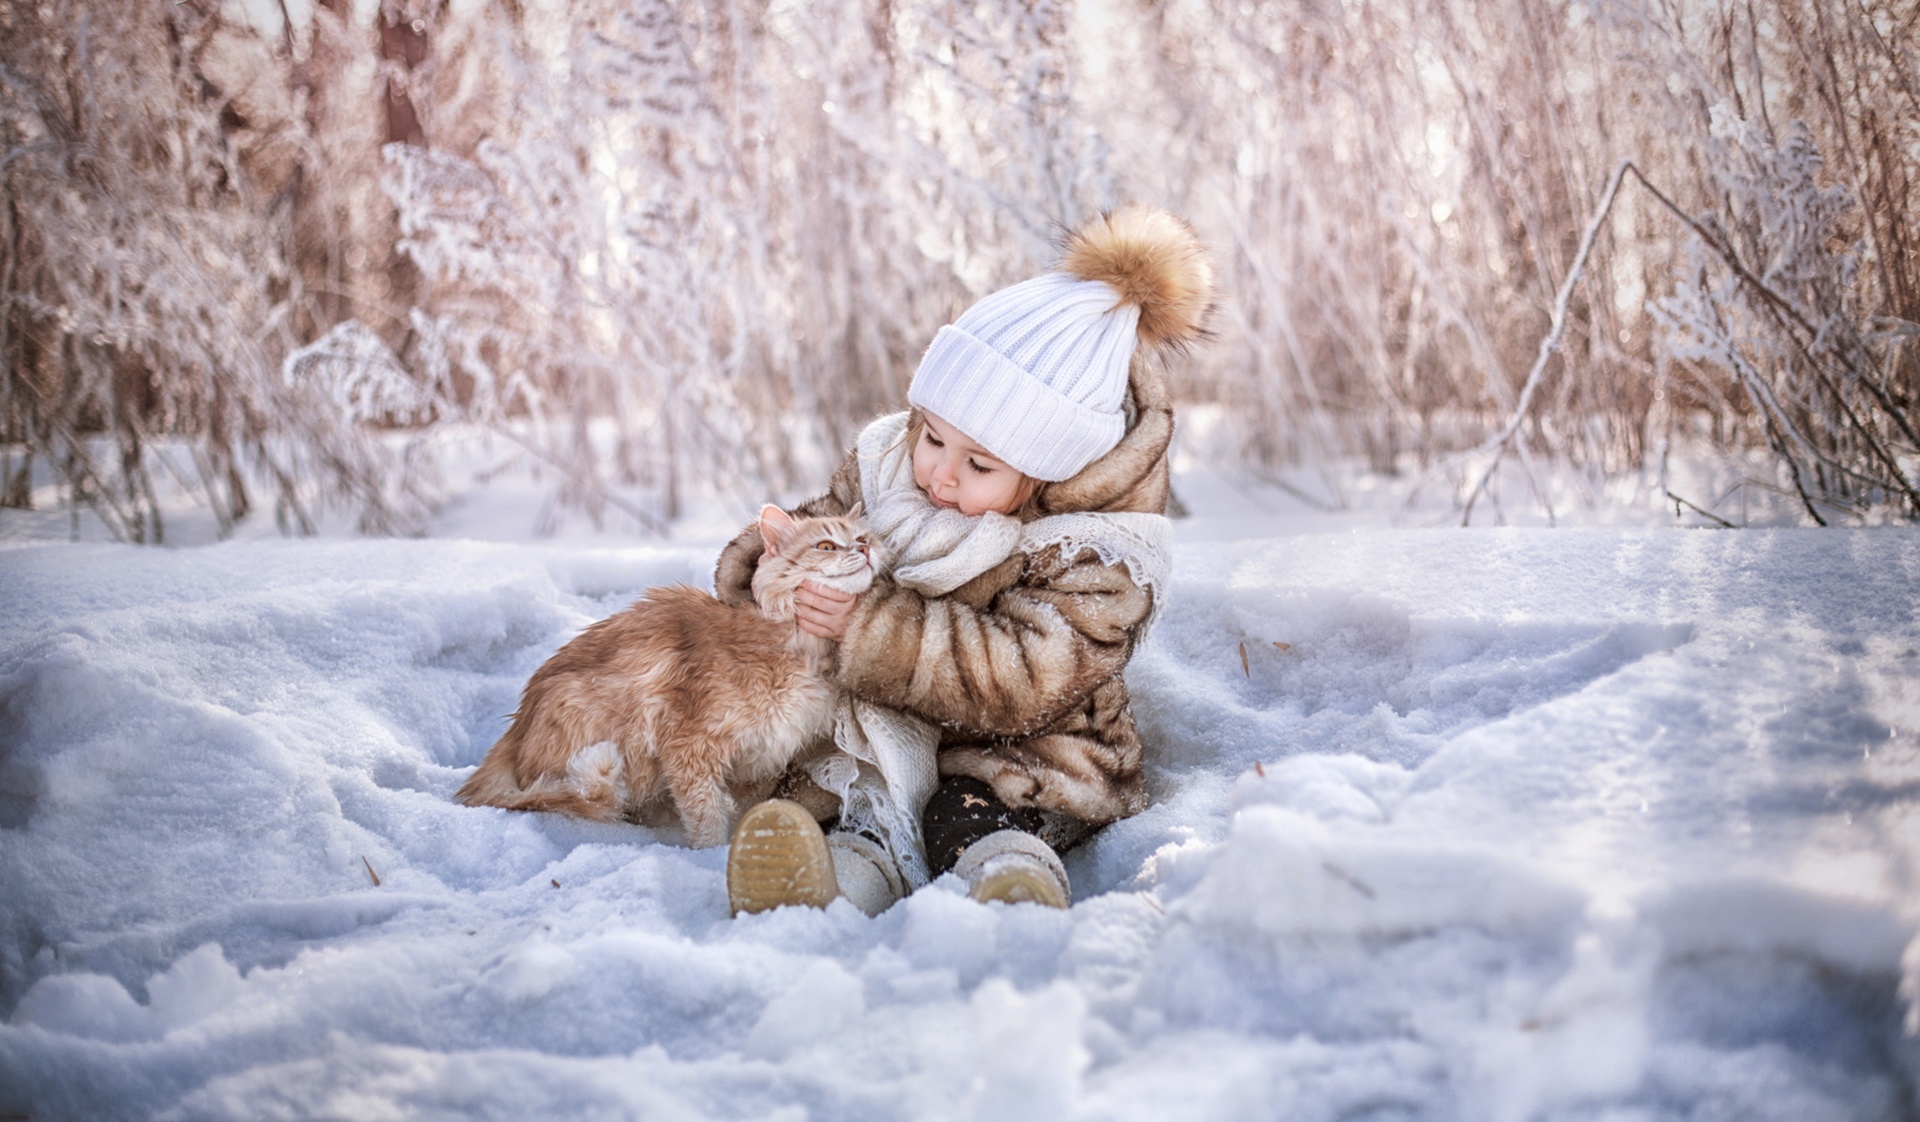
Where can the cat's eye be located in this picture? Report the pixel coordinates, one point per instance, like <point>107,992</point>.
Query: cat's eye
<point>827,545</point>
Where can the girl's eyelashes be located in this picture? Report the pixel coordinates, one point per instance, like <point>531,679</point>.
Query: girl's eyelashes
<point>976,465</point>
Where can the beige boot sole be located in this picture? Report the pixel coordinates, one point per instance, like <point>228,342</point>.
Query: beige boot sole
<point>1019,884</point>
<point>779,857</point>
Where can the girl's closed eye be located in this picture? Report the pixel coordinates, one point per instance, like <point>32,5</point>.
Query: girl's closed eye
<point>957,473</point>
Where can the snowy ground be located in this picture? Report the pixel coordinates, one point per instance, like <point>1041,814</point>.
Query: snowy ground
<point>1602,823</point>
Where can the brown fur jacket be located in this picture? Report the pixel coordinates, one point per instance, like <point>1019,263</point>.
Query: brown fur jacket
<point>1021,666</point>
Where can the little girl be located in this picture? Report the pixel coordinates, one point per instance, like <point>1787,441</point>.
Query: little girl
<point>984,725</point>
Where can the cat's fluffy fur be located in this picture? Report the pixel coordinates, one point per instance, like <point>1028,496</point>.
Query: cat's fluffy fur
<point>681,696</point>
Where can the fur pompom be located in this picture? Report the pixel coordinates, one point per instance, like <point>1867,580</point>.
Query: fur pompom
<point>1156,262</point>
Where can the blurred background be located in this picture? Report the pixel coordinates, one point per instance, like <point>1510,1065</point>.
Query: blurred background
<point>283,254</point>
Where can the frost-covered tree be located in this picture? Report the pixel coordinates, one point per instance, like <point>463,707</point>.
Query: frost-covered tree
<point>1399,191</point>
<point>710,239</point>
<point>179,218</point>
<point>660,245</point>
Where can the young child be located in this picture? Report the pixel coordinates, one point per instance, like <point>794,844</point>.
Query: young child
<point>984,726</point>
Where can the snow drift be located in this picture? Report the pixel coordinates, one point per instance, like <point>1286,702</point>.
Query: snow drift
<point>1492,825</point>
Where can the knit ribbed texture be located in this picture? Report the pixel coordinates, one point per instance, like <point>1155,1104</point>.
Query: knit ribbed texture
<point>1035,373</point>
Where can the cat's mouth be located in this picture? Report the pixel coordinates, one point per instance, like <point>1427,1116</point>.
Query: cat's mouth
<point>856,577</point>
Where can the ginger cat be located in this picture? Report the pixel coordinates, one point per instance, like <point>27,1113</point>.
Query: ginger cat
<point>681,695</point>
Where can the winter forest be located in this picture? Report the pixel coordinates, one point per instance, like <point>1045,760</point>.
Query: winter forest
<point>270,251</point>
<point>1529,730</point>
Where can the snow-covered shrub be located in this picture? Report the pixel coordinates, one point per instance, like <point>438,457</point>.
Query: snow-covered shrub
<point>179,215</point>
<point>1398,192</point>
<point>1768,297</point>
<point>352,393</point>
<point>727,231</point>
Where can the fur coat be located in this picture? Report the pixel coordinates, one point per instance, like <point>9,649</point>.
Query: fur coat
<point>1021,666</point>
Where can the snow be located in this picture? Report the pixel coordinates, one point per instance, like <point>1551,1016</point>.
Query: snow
<point>1612,822</point>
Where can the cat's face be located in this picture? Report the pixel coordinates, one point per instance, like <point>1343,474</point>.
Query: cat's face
<point>839,552</point>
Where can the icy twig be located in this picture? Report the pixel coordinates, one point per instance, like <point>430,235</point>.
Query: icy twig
<point>1679,502</point>
<point>1549,344</point>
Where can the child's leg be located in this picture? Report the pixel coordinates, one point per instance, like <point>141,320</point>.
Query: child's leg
<point>997,849</point>
<point>962,811</point>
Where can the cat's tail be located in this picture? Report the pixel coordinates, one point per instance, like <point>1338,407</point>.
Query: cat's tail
<point>493,780</point>
<point>592,786</point>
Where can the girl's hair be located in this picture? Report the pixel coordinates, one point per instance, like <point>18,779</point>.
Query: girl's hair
<point>1029,507</point>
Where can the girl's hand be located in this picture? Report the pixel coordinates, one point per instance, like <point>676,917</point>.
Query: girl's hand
<point>823,611</point>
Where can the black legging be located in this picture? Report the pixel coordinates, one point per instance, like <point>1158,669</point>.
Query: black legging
<point>963,810</point>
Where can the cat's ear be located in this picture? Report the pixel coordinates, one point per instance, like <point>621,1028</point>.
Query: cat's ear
<point>856,510</point>
<point>776,526</point>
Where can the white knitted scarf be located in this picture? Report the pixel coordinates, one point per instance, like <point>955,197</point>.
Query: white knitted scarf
<point>885,769</point>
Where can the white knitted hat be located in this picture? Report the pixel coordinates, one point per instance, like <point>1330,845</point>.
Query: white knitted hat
<point>1037,373</point>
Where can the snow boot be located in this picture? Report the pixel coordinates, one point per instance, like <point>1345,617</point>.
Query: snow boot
<point>778,857</point>
<point>1014,867</point>
<point>865,873</point>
